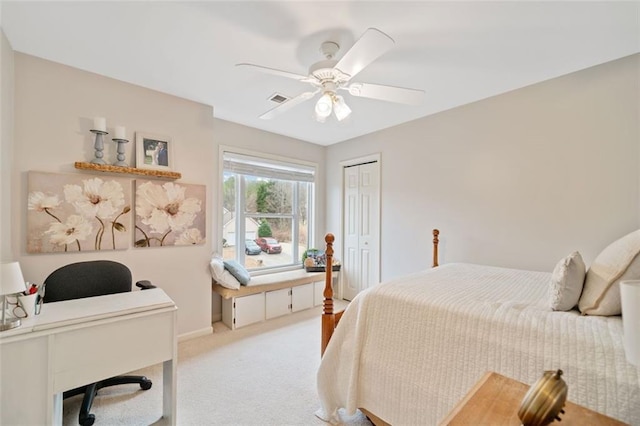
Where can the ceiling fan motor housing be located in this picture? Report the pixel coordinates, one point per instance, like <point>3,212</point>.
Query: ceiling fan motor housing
<point>329,49</point>
<point>325,71</point>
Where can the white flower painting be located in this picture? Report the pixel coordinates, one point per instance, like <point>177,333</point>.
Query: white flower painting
<point>169,214</point>
<point>74,212</point>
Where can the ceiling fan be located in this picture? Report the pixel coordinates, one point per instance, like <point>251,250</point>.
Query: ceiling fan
<point>329,76</point>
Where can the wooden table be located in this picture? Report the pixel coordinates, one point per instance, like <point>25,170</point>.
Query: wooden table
<point>81,341</point>
<point>495,400</point>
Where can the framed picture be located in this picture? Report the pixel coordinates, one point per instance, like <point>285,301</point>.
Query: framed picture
<point>153,152</point>
<point>169,214</point>
<point>77,212</point>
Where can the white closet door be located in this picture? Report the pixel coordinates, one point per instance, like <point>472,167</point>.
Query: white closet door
<point>361,264</point>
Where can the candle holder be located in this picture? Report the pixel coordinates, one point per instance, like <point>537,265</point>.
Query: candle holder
<point>98,146</point>
<point>120,149</point>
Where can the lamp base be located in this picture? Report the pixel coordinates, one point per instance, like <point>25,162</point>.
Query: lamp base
<point>9,323</point>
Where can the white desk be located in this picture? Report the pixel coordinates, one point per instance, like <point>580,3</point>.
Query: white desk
<point>77,342</point>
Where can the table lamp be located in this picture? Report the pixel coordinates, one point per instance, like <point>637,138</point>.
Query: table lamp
<point>11,282</point>
<point>630,295</point>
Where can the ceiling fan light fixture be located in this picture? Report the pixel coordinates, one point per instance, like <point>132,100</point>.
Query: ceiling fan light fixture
<point>324,106</point>
<point>340,108</point>
<point>329,75</point>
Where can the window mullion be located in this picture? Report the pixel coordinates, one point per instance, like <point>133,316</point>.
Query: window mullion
<point>240,218</point>
<point>296,223</point>
<point>311,188</point>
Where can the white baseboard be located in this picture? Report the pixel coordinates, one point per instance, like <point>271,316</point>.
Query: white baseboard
<point>198,333</point>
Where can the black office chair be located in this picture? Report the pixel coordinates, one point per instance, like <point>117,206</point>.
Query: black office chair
<point>89,279</point>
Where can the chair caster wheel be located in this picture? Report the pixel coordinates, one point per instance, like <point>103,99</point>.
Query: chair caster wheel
<point>89,420</point>
<point>146,384</point>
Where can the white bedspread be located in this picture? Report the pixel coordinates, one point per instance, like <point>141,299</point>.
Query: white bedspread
<point>408,350</point>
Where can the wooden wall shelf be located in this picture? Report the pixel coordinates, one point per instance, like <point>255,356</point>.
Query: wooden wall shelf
<point>127,170</point>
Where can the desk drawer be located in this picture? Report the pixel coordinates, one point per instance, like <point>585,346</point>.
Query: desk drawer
<point>23,365</point>
<point>112,347</point>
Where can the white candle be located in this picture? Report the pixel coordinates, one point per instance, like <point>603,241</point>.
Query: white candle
<point>120,133</point>
<point>100,123</point>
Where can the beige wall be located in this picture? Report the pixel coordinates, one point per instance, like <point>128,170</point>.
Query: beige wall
<point>517,180</point>
<point>6,146</point>
<point>54,108</point>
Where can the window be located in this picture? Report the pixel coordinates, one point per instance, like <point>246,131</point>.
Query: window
<point>267,210</point>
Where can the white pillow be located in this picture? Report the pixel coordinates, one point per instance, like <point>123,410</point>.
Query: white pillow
<point>618,262</point>
<point>567,281</point>
<point>221,275</point>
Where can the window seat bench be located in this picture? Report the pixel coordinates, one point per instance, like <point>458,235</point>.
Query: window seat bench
<point>270,296</point>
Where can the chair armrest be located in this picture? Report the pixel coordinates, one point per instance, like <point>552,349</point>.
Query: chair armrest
<point>145,285</point>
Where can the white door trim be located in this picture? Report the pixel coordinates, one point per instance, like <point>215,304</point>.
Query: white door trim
<point>361,160</point>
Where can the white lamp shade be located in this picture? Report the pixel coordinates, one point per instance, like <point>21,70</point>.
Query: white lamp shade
<point>324,106</point>
<point>630,295</point>
<point>11,279</point>
<point>341,109</point>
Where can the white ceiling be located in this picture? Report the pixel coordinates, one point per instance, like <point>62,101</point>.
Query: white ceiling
<point>457,52</point>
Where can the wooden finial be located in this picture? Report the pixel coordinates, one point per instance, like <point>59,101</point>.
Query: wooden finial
<point>435,247</point>
<point>328,280</point>
<point>328,316</point>
<point>329,239</point>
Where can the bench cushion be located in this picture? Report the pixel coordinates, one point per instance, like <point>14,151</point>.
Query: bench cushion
<point>270,282</point>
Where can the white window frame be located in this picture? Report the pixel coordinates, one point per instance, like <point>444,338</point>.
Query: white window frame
<point>240,206</point>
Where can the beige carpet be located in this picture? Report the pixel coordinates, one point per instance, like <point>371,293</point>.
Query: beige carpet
<point>262,374</point>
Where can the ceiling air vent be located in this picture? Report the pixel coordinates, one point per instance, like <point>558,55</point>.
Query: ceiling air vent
<point>278,98</point>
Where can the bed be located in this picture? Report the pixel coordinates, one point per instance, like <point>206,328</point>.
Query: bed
<point>406,351</point>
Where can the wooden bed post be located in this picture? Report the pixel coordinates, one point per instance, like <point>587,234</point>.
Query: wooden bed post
<point>329,320</point>
<point>435,247</point>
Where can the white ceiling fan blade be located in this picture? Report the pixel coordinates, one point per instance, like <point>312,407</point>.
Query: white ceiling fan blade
<point>287,105</point>
<point>274,71</point>
<point>387,93</point>
<point>369,47</point>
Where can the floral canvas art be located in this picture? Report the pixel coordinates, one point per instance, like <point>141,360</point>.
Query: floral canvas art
<point>76,212</point>
<point>169,214</point>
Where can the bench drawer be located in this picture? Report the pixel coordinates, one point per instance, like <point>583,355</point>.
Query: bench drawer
<point>278,303</point>
<point>302,297</point>
<point>241,311</point>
